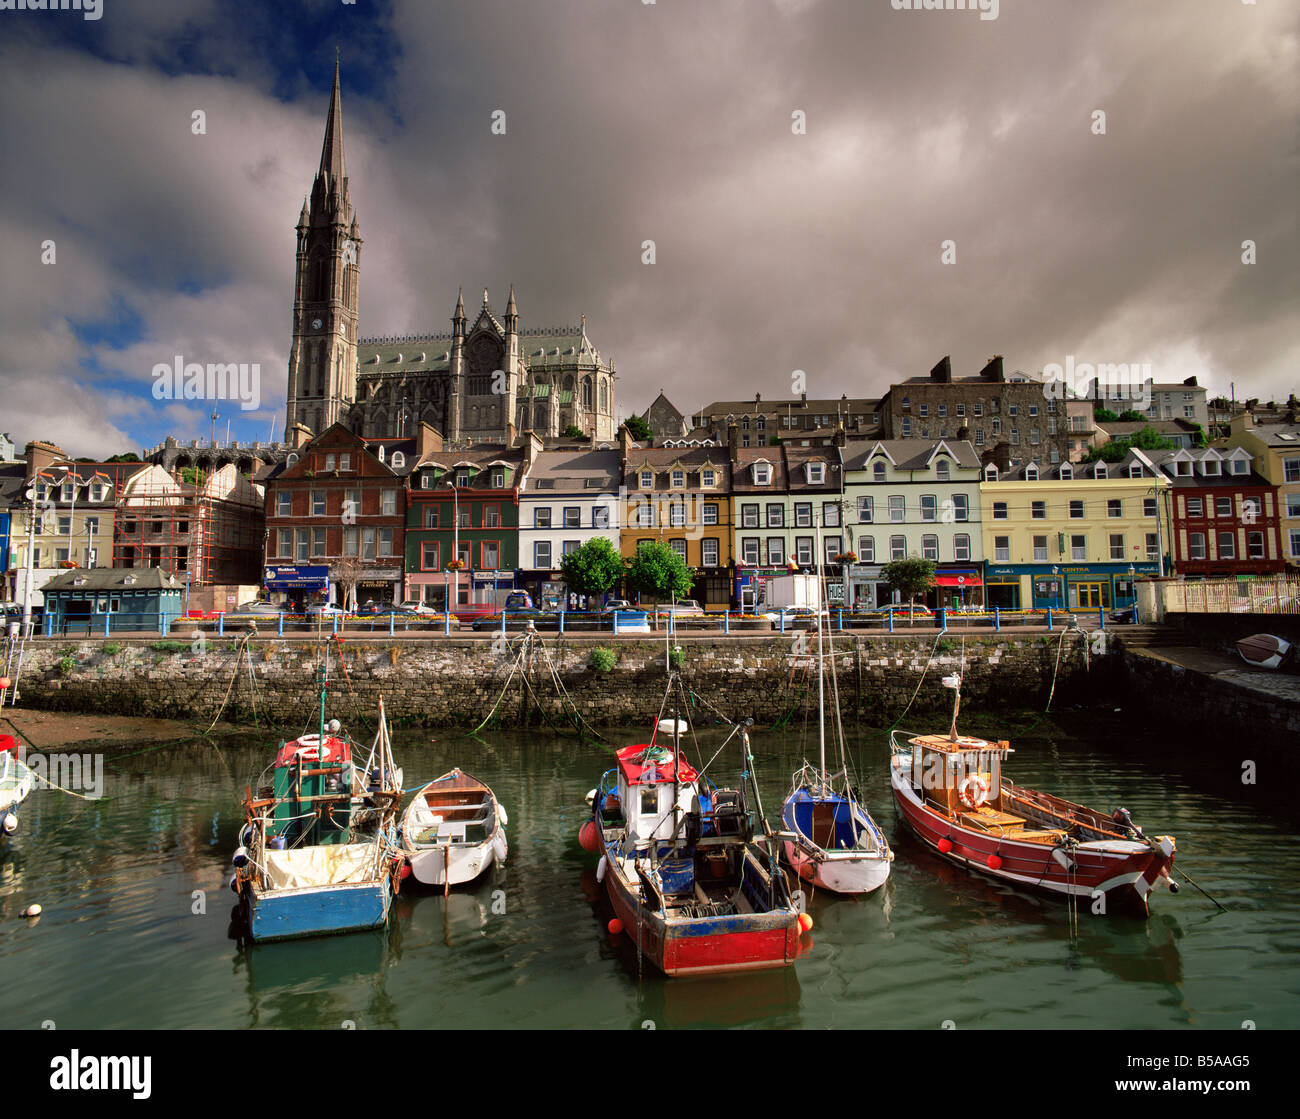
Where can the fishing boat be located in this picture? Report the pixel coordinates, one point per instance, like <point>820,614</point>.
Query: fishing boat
<point>317,855</point>
<point>453,831</point>
<point>951,793</point>
<point>16,782</point>
<point>829,838</point>
<point>689,882</point>
<point>1263,650</point>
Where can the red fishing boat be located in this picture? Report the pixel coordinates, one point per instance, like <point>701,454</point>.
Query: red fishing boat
<point>951,792</point>
<point>688,881</point>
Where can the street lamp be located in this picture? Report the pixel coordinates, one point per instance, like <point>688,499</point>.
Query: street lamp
<point>455,547</point>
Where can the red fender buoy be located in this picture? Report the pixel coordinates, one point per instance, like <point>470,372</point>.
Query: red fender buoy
<point>588,838</point>
<point>995,862</point>
<point>615,926</point>
<point>945,845</point>
<point>805,922</point>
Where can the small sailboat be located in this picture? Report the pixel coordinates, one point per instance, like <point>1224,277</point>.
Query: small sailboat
<point>689,881</point>
<point>830,840</point>
<point>951,793</point>
<point>453,831</point>
<point>16,782</point>
<point>1263,650</point>
<point>318,855</point>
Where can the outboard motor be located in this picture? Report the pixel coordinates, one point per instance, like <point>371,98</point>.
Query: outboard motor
<point>1123,819</point>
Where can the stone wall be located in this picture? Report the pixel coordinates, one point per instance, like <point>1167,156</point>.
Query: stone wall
<point>455,681</point>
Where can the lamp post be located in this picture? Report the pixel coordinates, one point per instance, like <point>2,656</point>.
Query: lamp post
<point>455,546</point>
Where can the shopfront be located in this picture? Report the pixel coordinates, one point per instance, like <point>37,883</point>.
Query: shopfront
<point>1095,586</point>
<point>297,585</point>
<point>957,586</point>
<point>380,585</point>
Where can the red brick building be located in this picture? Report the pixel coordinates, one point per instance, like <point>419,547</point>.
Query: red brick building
<point>340,502</point>
<point>1225,517</point>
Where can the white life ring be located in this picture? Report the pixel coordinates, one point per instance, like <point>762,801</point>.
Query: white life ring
<point>974,791</point>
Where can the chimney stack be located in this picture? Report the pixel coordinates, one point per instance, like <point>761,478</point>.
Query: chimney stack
<point>941,374</point>
<point>993,371</point>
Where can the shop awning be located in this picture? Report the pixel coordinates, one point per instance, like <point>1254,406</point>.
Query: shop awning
<point>957,581</point>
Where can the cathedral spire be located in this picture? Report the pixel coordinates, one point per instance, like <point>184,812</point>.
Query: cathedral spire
<point>510,306</point>
<point>331,153</point>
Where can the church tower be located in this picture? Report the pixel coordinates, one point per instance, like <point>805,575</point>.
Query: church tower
<point>323,357</point>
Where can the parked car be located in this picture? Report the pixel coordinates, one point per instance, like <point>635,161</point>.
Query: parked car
<point>1125,614</point>
<point>615,604</point>
<point>413,607</point>
<point>323,610</point>
<point>904,609</point>
<point>682,608</point>
<point>254,609</point>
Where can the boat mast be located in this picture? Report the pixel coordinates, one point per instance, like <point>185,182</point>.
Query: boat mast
<point>677,751</point>
<point>821,664</point>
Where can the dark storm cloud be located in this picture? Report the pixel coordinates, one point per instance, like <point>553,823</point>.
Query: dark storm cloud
<point>669,122</point>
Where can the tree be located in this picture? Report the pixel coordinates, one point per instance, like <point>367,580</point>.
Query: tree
<point>347,573</point>
<point>594,569</point>
<point>638,429</point>
<point>1103,415</point>
<point>656,570</point>
<point>909,577</point>
<point>1131,416</point>
<point>130,456</point>
<point>573,431</point>
<point>1148,439</point>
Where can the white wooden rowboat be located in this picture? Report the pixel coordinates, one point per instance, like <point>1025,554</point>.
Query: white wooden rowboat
<point>453,831</point>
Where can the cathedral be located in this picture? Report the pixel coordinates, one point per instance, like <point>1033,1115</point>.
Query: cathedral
<point>484,381</point>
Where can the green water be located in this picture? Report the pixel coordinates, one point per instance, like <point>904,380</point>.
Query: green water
<point>123,942</point>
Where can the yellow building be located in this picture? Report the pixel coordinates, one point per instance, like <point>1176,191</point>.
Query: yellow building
<point>681,496</point>
<point>1073,536</point>
<point>1275,454</point>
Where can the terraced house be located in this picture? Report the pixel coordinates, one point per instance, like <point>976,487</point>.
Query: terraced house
<point>1225,516</point>
<point>682,496</point>
<point>913,497</point>
<point>1073,536</point>
<point>1275,456</point>
<point>570,497</point>
<point>784,498</point>
<point>338,507</point>
<point>462,525</point>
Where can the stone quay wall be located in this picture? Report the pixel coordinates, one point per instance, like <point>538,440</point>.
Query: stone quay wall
<point>457,681</point>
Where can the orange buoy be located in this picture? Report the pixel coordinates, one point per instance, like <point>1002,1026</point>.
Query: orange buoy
<point>945,845</point>
<point>615,926</point>
<point>805,922</point>
<point>588,839</point>
<point>4,683</point>
<point>995,862</point>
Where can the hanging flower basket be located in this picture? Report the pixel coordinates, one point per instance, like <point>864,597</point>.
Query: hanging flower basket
<point>68,563</point>
<point>455,565</point>
<point>847,557</point>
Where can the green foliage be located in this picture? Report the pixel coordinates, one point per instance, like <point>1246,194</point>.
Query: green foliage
<point>1148,439</point>
<point>676,658</point>
<point>573,431</point>
<point>659,572</point>
<point>1131,416</point>
<point>594,569</point>
<point>66,664</point>
<point>910,576</point>
<point>1103,415</point>
<point>602,660</point>
<point>130,456</point>
<point>638,429</point>
<point>943,645</point>
<point>110,648</point>
<point>193,476</point>
<point>170,646</point>
<point>1198,436</point>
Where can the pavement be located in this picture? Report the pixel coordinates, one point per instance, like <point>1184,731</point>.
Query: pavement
<point>1232,670</point>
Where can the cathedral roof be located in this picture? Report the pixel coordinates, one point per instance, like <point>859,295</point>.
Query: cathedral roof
<point>539,349</point>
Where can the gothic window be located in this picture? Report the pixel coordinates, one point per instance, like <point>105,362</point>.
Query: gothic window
<point>604,395</point>
<point>318,278</point>
<point>586,392</point>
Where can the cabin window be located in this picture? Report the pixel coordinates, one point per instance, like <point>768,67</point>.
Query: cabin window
<point>649,801</point>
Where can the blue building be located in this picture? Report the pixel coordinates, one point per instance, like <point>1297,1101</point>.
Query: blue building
<point>114,599</point>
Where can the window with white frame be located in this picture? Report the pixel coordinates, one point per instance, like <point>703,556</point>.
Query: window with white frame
<point>775,550</point>
<point>866,549</point>
<point>897,547</point>
<point>1002,548</point>
<point>830,514</point>
<point>866,510</point>
<point>776,516</point>
<point>749,516</point>
<point>678,546</point>
<point>1000,511</point>
<point>542,554</point>
<point>816,473</point>
<point>678,479</point>
<point>1227,546</point>
<point>960,507</point>
<point>961,546</point>
<point>1195,507</point>
<point>1223,507</point>
<point>1196,545</point>
<point>573,516</point>
<point>708,479</point>
<point>1040,549</point>
<point>542,517</point>
<point>676,514</point>
<point>647,480</point>
<point>1114,507</point>
<point>834,546</point>
<point>897,511</point>
<point>930,547</point>
<point>709,552</point>
<point>318,503</point>
<point>749,546</point>
<point>1116,545</point>
<point>762,474</point>
<point>1255,545</point>
<point>878,471</point>
<point>803,514</point>
<point>1079,547</point>
<point>929,507</point>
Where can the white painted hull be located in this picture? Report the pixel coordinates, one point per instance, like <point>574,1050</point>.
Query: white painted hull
<point>441,840</point>
<point>830,870</point>
<point>429,864</point>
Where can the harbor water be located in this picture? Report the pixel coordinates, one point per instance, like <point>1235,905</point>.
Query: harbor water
<point>136,923</point>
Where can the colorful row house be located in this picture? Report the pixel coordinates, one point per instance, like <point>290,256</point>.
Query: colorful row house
<point>1275,456</point>
<point>1073,536</point>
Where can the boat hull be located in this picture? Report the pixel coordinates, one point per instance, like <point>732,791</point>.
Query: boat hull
<point>460,803</point>
<point>840,870</point>
<point>678,946</point>
<point>429,865</point>
<point>317,910</point>
<point>1109,876</point>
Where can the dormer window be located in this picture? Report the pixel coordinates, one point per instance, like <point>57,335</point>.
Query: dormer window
<point>1240,466</point>
<point>462,478</point>
<point>990,473</point>
<point>1067,472</point>
<point>1211,467</point>
<point>291,460</point>
<point>878,472</point>
<point>1031,474</point>
<point>762,474</point>
<point>647,479</point>
<point>707,479</point>
<point>380,452</point>
<point>1101,471</point>
<point>816,473</point>
<point>498,479</point>
<point>1183,468</point>
<point>397,461</point>
<point>1135,471</point>
<point>943,469</point>
<point>426,481</point>
<point>679,479</point>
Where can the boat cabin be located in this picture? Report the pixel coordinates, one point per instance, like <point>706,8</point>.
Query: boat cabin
<point>650,785</point>
<point>313,791</point>
<point>961,777</point>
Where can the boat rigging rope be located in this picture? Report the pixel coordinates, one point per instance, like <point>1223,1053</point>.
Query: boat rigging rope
<point>239,651</point>
<point>928,662</point>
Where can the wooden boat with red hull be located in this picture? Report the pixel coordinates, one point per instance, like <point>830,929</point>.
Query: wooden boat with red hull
<point>951,794</point>
<point>687,880</point>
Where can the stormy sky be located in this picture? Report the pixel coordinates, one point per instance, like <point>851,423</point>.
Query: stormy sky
<point>798,165</point>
